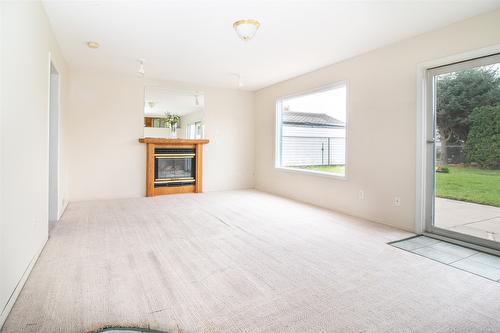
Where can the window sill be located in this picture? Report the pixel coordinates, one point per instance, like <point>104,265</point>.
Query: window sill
<point>314,173</point>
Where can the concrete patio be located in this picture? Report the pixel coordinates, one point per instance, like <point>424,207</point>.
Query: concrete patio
<point>469,218</point>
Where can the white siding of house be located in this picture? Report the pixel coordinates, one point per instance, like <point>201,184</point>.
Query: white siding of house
<point>313,131</point>
<point>303,146</point>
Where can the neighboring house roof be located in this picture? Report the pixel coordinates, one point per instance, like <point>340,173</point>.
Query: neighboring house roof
<point>310,119</point>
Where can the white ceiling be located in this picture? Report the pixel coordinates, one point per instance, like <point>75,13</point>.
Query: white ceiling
<point>193,40</point>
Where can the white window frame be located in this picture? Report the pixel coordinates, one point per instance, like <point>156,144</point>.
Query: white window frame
<point>277,135</point>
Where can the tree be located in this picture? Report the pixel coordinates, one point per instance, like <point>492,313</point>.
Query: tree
<point>457,94</point>
<point>483,141</point>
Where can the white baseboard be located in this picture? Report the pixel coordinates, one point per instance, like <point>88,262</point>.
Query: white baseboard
<point>19,286</point>
<point>63,209</point>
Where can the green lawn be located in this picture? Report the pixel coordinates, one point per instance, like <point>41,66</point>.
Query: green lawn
<point>470,184</point>
<point>338,169</point>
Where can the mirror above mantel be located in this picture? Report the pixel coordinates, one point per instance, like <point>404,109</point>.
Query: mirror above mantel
<point>173,113</point>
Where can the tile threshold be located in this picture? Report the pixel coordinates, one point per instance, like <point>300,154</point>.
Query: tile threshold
<point>450,264</point>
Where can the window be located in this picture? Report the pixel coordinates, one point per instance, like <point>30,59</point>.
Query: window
<point>194,130</point>
<point>311,131</point>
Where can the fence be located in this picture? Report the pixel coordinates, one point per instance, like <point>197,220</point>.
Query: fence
<point>303,151</point>
<point>455,153</point>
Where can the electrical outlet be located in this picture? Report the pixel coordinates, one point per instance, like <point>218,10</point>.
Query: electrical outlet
<point>361,195</point>
<point>397,201</point>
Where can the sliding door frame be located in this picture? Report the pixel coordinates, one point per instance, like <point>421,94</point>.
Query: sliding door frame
<point>425,178</point>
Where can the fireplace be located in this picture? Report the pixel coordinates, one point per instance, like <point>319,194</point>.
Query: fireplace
<point>174,167</point>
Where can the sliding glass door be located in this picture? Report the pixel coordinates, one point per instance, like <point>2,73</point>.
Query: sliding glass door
<point>463,150</point>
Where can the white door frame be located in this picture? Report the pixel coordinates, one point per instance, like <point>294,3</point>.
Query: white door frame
<point>425,132</point>
<point>54,140</point>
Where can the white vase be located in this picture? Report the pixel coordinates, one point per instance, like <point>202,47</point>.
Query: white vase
<point>173,131</point>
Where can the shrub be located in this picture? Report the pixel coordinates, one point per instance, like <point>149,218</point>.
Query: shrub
<point>483,141</point>
<point>442,169</point>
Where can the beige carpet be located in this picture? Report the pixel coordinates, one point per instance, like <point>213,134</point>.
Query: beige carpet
<point>241,261</point>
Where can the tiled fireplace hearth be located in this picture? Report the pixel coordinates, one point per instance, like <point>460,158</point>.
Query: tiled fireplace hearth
<point>173,165</point>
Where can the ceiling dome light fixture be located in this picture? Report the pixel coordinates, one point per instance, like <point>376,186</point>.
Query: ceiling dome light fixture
<point>92,44</point>
<point>246,29</point>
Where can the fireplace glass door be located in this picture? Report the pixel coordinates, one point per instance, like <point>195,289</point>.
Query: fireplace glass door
<point>174,167</point>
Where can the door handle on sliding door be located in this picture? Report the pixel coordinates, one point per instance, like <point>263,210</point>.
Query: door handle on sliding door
<point>431,140</point>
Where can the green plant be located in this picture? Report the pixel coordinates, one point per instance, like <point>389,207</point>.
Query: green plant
<point>457,95</point>
<point>171,119</point>
<point>442,169</point>
<point>483,141</point>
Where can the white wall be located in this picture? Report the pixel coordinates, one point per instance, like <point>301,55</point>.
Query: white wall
<point>157,132</point>
<point>3,281</point>
<point>381,139</point>
<point>106,121</point>
<point>26,43</point>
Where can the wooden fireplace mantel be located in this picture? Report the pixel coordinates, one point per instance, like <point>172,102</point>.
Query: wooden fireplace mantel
<point>153,143</point>
<point>173,142</point>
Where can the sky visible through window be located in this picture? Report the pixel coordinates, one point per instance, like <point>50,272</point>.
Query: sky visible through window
<point>331,102</point>
<point>493,67</point>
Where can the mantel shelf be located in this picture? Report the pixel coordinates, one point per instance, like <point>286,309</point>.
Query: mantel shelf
<point>160,141</point>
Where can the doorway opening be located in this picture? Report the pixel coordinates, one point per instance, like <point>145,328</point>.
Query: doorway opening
<point>463,151</point>
<point>53,145</point>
